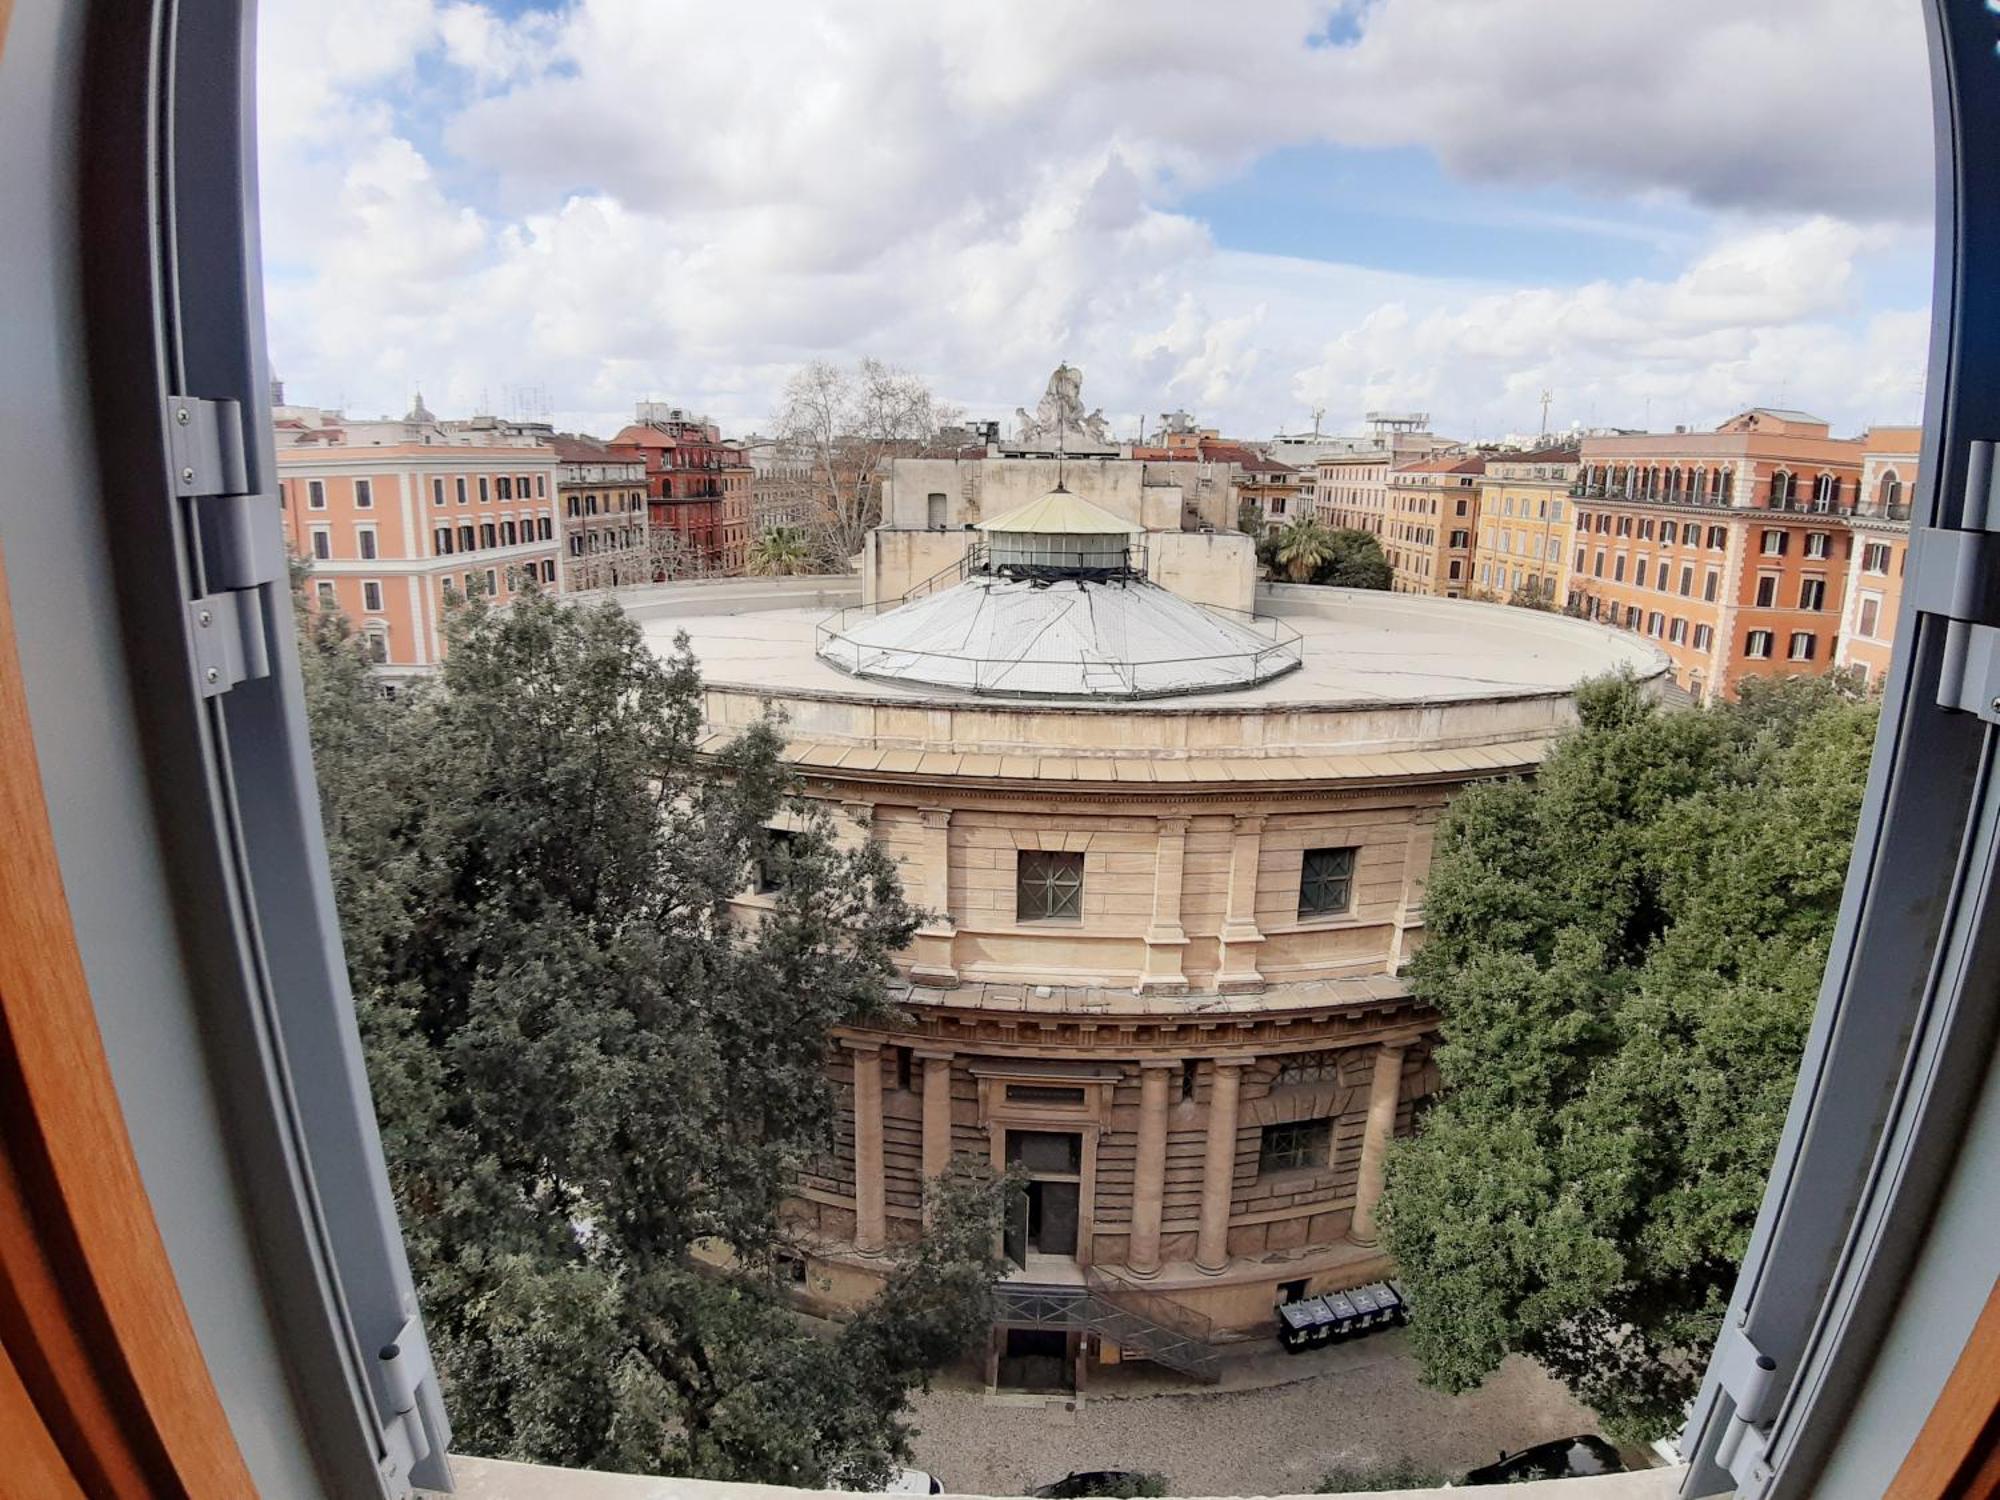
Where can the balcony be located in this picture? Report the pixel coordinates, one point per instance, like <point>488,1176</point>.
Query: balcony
<point>497,1479</point>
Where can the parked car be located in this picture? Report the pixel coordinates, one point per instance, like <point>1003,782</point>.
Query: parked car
<point>913,1482</point>
<point>1565,1458</point>
<point>1109,1484</point>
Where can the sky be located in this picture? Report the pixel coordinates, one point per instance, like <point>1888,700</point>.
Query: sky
<point>1658,211</point>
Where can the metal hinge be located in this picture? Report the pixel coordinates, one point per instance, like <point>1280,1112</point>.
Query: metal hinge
<point>1750,1377</point>
<point>1954,575</point>
<point>402,1368</point>
<point>237,538</point>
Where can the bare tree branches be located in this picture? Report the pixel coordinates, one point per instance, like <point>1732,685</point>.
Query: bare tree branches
<point>849,423</point>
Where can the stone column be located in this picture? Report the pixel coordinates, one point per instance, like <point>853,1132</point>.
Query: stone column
<point>870,1217</point>
<point>1149,1177</point>
<point>1218,1165</point>
<point>932,960</point>
<point>1165,938</point>
<point>1240,936</point>
<point>937,1112</point>
<point>1384,1092</point>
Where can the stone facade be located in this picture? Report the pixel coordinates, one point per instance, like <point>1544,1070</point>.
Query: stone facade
<point>1212,1048</point>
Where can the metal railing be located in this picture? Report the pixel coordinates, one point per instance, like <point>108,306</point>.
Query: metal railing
<point>1142,1322</point>
<point>1157,677</point>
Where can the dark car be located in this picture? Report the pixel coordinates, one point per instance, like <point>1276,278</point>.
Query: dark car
<point>1564,1458</point>
<point>1109,1484</point>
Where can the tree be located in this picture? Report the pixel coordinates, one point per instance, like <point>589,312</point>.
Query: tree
<point>1535,592</point>
<point>1358,562</point>
<point>595,1085</point>
<point>1625,954</point>
<point>850,423</point>
<point>1310,551</point>
<point>782,550</point>
<point>1304,546</point>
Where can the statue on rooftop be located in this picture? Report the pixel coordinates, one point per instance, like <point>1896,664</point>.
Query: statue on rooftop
<point>1059,420</point>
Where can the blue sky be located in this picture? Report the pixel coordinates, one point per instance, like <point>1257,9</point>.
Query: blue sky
<point>1656,208</point>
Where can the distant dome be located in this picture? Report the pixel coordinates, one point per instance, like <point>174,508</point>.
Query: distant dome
<point>419,412</point>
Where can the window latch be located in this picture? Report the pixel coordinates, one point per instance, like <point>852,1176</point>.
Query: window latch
<point>238,544</point>
<point>1955,576</point>
<point>1750,1378</point>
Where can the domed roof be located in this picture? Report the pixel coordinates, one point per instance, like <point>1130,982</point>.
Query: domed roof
<point>1031,638</point>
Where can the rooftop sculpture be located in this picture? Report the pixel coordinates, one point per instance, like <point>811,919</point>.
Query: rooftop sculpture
<point>1059,423</point>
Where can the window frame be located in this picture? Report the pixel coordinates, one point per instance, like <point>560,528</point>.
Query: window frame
<point>1043,888</point>
<point>1337,864</point>
<point>1295,1147</point>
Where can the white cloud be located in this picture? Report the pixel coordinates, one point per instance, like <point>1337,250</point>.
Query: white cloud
<point>636,197</point>
<point>1768,317</point>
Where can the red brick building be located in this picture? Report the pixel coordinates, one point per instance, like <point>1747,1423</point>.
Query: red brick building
<point>697,485</point>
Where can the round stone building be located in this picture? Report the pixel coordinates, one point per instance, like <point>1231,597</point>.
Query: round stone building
<point>1176,855</point>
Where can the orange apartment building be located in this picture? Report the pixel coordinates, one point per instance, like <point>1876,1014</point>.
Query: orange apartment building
<point>389,530</point>
<point>1527,522</point>
<point>1433,514</point>
<point>1733,549</point>
<point>1881,546</point>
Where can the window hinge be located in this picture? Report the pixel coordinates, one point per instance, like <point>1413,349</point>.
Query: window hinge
<point>238,539</point>
<point>1954,575</point>
<point>402,1368</point>
<point>1750,1377</point>
<point>229,644</point>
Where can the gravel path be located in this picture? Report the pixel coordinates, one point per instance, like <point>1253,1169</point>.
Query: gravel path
<point>1358,1404</point>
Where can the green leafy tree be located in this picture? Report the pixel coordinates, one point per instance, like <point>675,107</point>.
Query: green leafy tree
<point>595,1085</point>
<point>1356,561</point>
<point>1625,954</point>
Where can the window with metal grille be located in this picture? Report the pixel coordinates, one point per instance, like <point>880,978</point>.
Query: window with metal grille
<point>1326,882</point>
<point>1294,1145</point>
<point>1309,1067</point>
<point>1048,886</point>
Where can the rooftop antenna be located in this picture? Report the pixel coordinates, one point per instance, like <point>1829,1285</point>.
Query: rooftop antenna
<point>1318,412</point>
<point>1547,396</point>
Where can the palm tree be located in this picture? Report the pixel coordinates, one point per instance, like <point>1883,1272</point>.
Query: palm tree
<point>782,549</point>
<point>1304,546</point>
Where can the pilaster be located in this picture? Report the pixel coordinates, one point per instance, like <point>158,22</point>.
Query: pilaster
<point>1241,938</point>
<point>1166,938</point>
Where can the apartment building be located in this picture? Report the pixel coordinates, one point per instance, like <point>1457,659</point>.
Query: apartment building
<point>1351,475</point>
<point>1729,548</point>
<point>1277,489</point>
<point>601,498</point>
<point>391,530</point>
<point>1433,513</point>
<point>784,486</point>
<point>1878,551</point>
<point>1527,523</point>
<point>697,485</point>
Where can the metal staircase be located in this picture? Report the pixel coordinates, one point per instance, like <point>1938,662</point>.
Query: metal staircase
<point>1138,1321</point>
